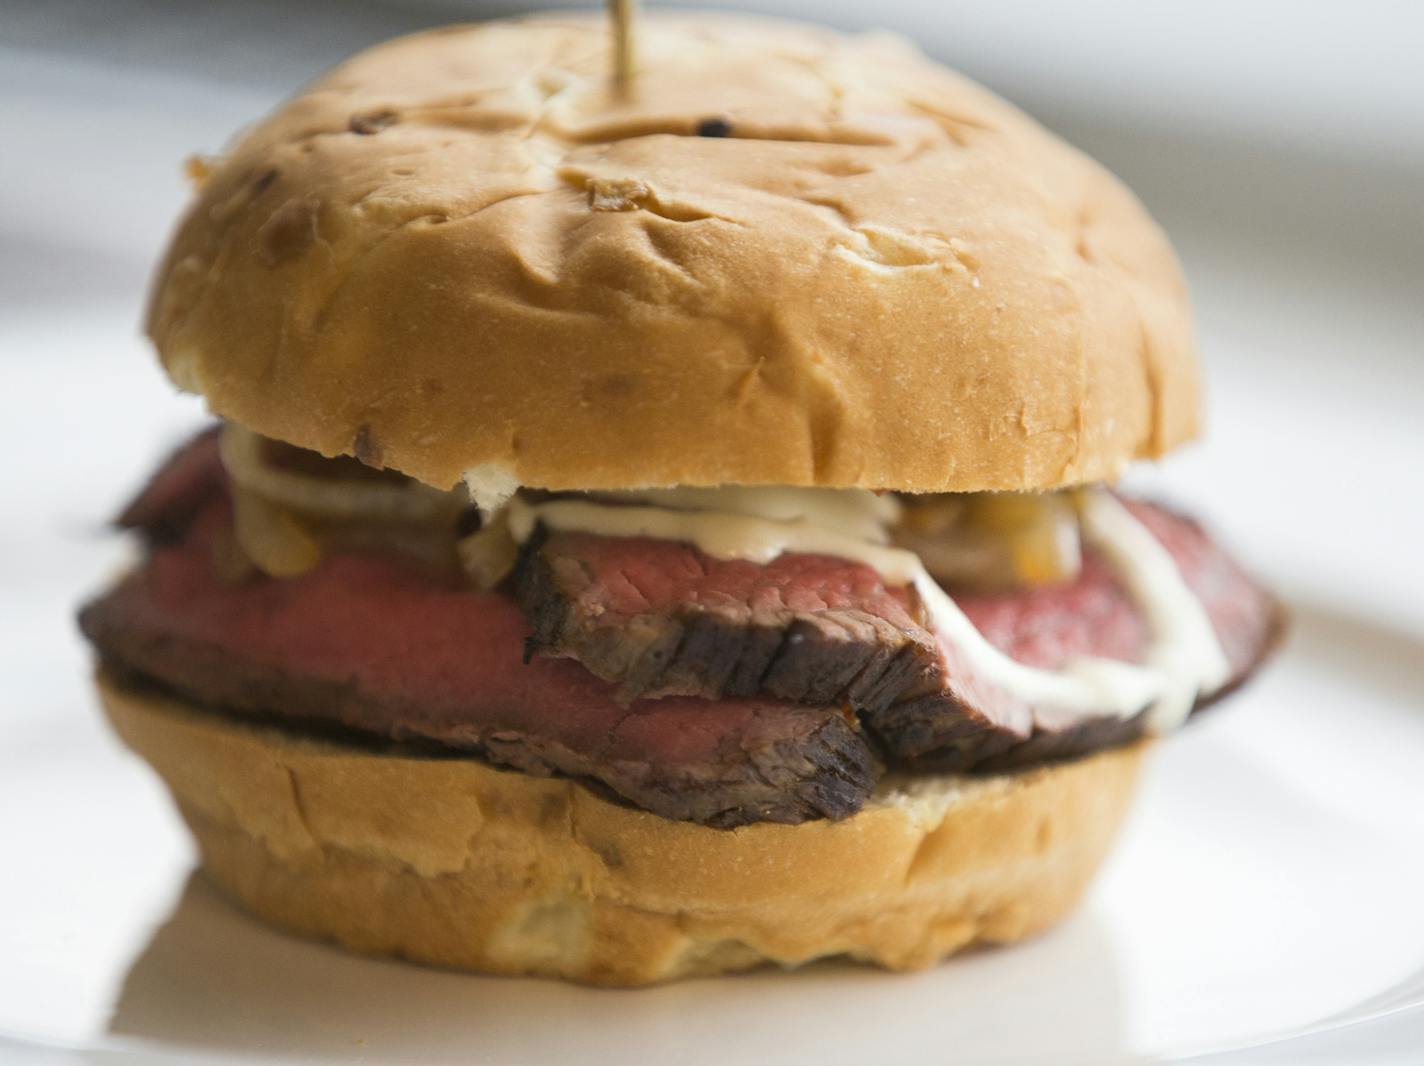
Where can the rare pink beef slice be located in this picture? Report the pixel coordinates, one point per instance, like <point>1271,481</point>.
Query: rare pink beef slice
<point>190,478</point>
<point>661,618</point>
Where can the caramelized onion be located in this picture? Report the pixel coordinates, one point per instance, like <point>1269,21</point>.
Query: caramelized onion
<point>488,554</point>
<point>336,499</point>
<point>286,516</point>
<point>278,543</point>
<point>993,540</point>
<point>1040,530</point>
<point>286,513</point>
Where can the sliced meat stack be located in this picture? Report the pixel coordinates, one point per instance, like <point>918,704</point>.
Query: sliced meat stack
<point>722,692</point>
<point>661,618</point>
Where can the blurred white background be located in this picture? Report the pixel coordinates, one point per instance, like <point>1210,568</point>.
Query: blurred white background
<point>1280,143</point>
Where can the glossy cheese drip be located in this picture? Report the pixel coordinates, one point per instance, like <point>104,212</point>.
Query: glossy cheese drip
<point>1183,659</point>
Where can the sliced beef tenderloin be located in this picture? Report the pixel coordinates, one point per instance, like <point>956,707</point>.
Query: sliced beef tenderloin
<point>190,478</point>
<point>371,645</point>
<point>662,618</point>
<point>1094,615</point>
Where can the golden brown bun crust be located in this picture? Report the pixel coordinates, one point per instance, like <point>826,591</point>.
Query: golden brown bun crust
<point>456,250</point>
<point>455,863</point>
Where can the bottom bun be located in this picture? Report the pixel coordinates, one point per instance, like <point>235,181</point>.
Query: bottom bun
<point>453,862</point>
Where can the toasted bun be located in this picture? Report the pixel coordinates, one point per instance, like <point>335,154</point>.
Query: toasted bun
<point>452,862</point>
<point>456,251</point>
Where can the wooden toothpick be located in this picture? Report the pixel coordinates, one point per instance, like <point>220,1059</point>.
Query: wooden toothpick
<point>622,13</point>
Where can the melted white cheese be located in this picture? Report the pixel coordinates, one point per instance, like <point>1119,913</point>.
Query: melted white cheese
<point>1184,657</point>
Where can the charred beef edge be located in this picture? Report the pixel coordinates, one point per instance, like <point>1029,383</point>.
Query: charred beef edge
<point>826,658</point>
<point>826,772</point>
<point>893,681</point>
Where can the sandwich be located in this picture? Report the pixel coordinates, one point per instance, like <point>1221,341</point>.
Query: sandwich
<point>668,528</point>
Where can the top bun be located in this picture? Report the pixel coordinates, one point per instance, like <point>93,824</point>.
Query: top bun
<point>790,257</point>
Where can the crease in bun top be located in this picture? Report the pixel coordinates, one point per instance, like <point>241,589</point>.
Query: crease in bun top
<point>601,471</point>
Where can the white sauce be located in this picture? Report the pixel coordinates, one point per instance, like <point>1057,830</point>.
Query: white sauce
<point>854,512</point>
<point>1183,659</point>
<point>1184,648</point>
<point>721,534</point>
<point>490,486</point>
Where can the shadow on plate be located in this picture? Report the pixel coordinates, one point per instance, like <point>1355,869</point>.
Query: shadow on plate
<point>1391,657</point>
<point>213,979</point>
